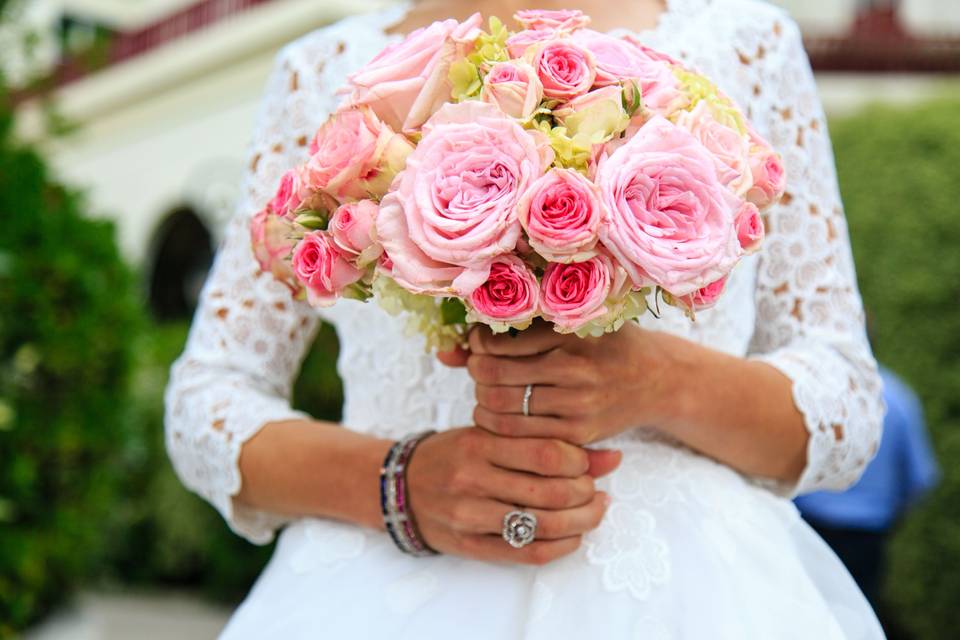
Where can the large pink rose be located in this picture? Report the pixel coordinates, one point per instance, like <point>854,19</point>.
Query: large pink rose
<point>565,69</point>
<point>287,199</point>
<point>352,229</point>
<point>618,60</point>
<point>320,267</point>
<point>769,176</point>
<point>455,207</point>
<point>671,221</point>
<point>409,81</point>
<point>518,43</point>
<point>561,214</point>
<point>703,298</point>
<point>564,20</point>
<point>730,148</point>
<point>750,228</point>
<point>271,238</point>
<point>514,87</point>
<point>574,294</point>
<point>357,156</point>
<point>510,296</point>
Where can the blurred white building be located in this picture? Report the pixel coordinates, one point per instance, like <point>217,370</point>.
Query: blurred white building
<point>164,121</point>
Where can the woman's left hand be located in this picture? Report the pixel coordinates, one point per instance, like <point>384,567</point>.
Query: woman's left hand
<point>584,390</point>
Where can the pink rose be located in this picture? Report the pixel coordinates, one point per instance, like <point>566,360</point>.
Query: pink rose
<point>455,207</point>
<point>287,199</point>
<point>518,43</point>
<point>318,264</point>
<point>352,229</point>
<point>730,148</point>
<point>574,294</point>
<point>514,87</point>
<point>561,214</point>
<point>565,69</point>
<point>407,82</point>
<point>703,298</point>
<point>618,60</point>
<point>565,20</point>
<point>750,229</point>
<point>356,157</point>
<point>671,221</point>
<point>510,296</point>
<point>769,176</point>
<point>271,238</point>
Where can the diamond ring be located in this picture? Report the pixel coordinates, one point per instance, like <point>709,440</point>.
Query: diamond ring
<point>519,528</point>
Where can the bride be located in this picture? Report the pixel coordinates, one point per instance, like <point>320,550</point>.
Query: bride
<point>658,461</point>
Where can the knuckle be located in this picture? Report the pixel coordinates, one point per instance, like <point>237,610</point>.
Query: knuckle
<point>503,424</point>
<point>586,487</point>
<point>460,518</point>
<point>558,494</point>
<point>460,481</point>
<point>548,457</point>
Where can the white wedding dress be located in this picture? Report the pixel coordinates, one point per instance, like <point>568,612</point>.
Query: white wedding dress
<point>689,548</point>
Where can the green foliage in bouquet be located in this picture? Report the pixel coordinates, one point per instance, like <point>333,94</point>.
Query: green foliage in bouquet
<point>898,172</point>
<point>69,319</point>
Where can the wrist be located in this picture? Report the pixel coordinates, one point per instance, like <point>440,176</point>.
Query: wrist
<point>669,392</point>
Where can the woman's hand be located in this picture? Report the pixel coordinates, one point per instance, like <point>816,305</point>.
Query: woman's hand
<point>585,390</point>
<point>463,482</point>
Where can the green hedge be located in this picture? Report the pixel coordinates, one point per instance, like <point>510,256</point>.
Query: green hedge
<point>69,319</point>
<point>900,177</point>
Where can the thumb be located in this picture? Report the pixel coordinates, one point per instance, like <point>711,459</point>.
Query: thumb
<point>456,358</point>
<point>603,461</point>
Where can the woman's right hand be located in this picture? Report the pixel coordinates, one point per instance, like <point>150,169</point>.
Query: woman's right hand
<point>462,482</point>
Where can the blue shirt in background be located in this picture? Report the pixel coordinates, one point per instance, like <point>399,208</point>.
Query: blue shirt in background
<point>902,471</point>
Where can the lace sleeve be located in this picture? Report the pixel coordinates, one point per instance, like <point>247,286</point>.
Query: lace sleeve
<point>248,335</point>
<point>810,320</point>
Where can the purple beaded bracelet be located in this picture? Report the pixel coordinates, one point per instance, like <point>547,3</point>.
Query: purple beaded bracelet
<point>394,502</point>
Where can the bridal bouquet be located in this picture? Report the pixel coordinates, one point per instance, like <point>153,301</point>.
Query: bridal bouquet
<point>497,177</point>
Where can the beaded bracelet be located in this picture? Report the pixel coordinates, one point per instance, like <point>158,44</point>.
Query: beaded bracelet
<point>394,502</point>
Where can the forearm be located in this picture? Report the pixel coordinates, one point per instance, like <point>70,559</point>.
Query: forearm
<point>738,411</point>
<point>309,468</point>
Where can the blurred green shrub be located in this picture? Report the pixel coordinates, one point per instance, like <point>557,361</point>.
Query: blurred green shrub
<point>170,536</point>
<point>69,320</point>
<point>900,177</point>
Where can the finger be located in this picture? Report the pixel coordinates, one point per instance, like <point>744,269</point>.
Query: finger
<point>580,431</point>
<point>538,492</point>
<point>542,456</point>
<point>493,548</point>
<point>539,338</point>
<point>551,524</point>
<point>603,461</point>
<point>544,400</point>
<point>551,368</point>
<point>456,358</point>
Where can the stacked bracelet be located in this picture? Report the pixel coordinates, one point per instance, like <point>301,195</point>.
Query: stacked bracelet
<point>394,503</point>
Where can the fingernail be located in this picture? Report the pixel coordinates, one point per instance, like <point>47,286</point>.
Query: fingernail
<point>607,500</point>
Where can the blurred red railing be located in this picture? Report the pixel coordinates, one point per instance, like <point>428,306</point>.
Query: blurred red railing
<point>877,42</point>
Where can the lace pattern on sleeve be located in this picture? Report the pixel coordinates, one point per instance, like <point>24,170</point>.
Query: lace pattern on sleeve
<point>249,336</point>
<point>810,319</point>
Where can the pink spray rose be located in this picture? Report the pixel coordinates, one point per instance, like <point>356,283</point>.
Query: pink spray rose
<point>352,229</point>
<point>769,176</point>
<point>565,69</point>
<point>703,298</point>
<point>407,82</point>
<point>357,156</point>
<point>750,229</point>
<point>564,20</point>
<point>287,199</point>
<point>619,60</point>
<point>271,238</point>
<point>518,43</point>
<point>319,265</point>
<point>510,296</point>
<point>574,294</point>
<point>730,148</point>
<point>561,214</point>
<point>514,87</point>
<point>671,221</point>
<point>455,207</point>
